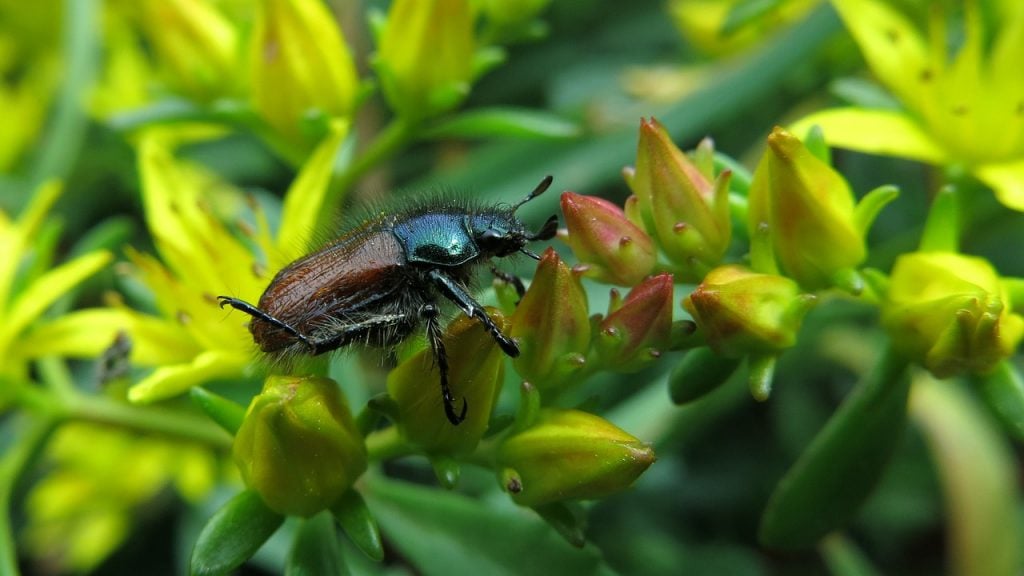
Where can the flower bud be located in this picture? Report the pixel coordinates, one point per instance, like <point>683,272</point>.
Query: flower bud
<point>475,374</point>
<point>611,248</point>
<point>551,325</point>
<point>951,313</point>
<point>196,45</point>
<point>425,62</point>
<point>742,312</point>
<point>678,205</point>
<point>298,446</point>
<point>570,455</point>
<point>300,65</point>
<point>639,329</point>
<point>808,210</point>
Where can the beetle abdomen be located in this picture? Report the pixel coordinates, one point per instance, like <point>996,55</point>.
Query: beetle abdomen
<point>362,274</point>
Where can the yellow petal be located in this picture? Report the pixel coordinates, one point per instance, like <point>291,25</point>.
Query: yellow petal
<point>14,238</point>
<point>305,198</point>
<point>1006,180</point>
<point>168,381</point>
<point>87,333</point>
<point>46,289</point>
<point>893,47</point>
<point>882,132</point>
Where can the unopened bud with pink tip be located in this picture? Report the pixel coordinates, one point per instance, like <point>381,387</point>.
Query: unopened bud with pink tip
<point>611,248</point>
<point>685,210</point>
<point>639,327</point>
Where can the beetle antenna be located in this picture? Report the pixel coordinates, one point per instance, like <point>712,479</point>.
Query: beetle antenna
<point>540,189</point>
<point>547,231</point>
<point>530,253</point>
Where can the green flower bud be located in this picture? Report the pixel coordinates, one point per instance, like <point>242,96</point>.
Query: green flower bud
<point>299,65</point>
<point>951,313</point>
<point>551,325</point>
<point>570,455</point>
<point>475,374</point>
<point>195,44</point>
<point>808,211</point>
<point>638,328</point>
<point>298,446</point>
<point>681,207</point>
<point>611,248</point>
<point>742,312</point>
<point>425,62</point>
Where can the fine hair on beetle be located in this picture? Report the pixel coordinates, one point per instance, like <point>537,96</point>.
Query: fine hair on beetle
<point>385,277</point>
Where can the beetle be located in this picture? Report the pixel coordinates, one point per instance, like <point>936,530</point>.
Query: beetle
<point>379,281</point>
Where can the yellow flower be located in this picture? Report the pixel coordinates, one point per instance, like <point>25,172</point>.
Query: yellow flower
<point>195,45</point>
<point>425,62</point>
<point>299,63</point>
<point>192,340</point>
<point>29,75</point>
<point>965,109</point>
<point>25,296</point>
<point>97,478</point>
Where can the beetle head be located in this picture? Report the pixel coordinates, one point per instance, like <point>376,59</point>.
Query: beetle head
<point>506,235</point>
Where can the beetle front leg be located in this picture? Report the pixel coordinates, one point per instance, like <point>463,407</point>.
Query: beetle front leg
<point>430,313</point>
<point>243,306</point>
<point>512,279</point>
<point>457,294</point>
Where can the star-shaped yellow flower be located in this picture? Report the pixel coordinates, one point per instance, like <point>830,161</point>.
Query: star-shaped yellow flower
<point>964,108</point>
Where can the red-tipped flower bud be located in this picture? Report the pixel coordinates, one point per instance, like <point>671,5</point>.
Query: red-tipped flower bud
<point>611,248</point>
<point>681,207</point>
<point>639,329</point>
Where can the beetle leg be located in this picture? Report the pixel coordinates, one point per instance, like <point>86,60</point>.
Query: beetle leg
<point>512,279</point>
<point>349,333</point>
<point>430,313</point>
<point>457,294</point>
<point>255,312</point>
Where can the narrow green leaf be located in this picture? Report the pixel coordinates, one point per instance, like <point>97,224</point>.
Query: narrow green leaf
<point>316,551</point>
<point>448,534</point>
<point>224,412</point>
<point>834,476</point>
<point>746,12</point>
<point>233,535</point>
<point>843,558</point>
<point>942,229</point>
<point>979,476</point>
<point>1003,392</point>
<point>359,524</point>
<point>816,144</point>
<point>504,122</point>
<point>871,205</point>
<point>699,372</point>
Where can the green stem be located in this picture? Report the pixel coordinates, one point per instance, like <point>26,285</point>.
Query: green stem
<point>387,443</point>
<point>149,419</point>
<point>387,143</point>
<point>12,467</point>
